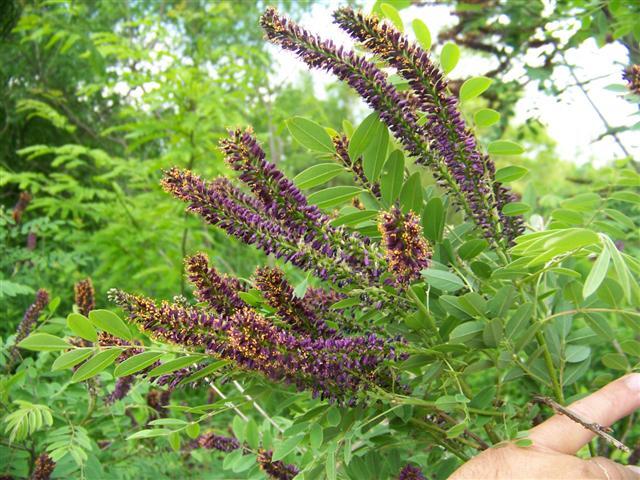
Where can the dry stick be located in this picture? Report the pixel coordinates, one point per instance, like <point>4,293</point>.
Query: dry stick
<point>596,428</point>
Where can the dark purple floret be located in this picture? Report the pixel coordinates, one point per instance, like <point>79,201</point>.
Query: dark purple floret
<point>122,388</point>
<point>292,310</point>
<point>445,129</point>
<point>407,250</point>
<point>85,296</point>
<point>31,315</point>
<point>211,441</point>
<point>219,291</point>
<point>43,467</point>
<point>409,472</point>
<point>277,470</point>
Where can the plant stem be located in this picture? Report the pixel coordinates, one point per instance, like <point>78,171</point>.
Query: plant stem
<point>548,360</point>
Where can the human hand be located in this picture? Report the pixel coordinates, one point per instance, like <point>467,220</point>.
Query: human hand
<point>556,441</point>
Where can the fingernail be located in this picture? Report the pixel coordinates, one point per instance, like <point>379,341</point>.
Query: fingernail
<point>633,468</point>
<point>633,382</point>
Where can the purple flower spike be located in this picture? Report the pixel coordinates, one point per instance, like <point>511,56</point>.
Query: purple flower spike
<point>409,472</point>
<point>406,248</point>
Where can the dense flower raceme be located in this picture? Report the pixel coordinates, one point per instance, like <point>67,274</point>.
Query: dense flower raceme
<point>218,291</point>
<point>406,248</point>
<point>409,472</point>
<point>443,143</point>
<point>43,467</point>
<point>85,296</point>
<point>21,205</point>
<point>292,310</point>
<point>271,221</point>
<point>31,315</point>
<point>277,470</point>
<point>336,368</point>
<point>632,76</point>
<point>158,400</point>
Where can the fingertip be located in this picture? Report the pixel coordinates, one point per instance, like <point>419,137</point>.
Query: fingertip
<point>632,381</point>
<point>634,469</point>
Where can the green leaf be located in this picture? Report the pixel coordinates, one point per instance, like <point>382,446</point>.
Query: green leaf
<point>285,448</point>
<point>515,208</point>
<point>615,361</point>
<point>510,174</point>
<point>391,180</point>
<point>330,466</point>
<point>474,87</point>
<point>597,274</point>
<point>193,430</point>
<point>174,441</point>
<point>315,436</point>
<point>392,14</point>
<point>347,302</point>
<point>442,280</point>
<point>472,248</point>
<point>251,434</point>
<point>375,154</point>
<point>486,117</point>
<point>363,135</point>
<point>204,372</point>
<point>330,197</point>
<point>309,134</point>
<point>81,326</point>
<point>411,194</point>
<point>96,364</point>
<point>622,271</point>
<point>433,218</point>
<point>109,322</point>
<point>449,57</point>
<point>176,364</point>
<point>626,196</point>
<point>519,321</point>
<point>71,358</point>
<point>155,432</point>
<point>43,342</point>
<point>352,219</point>
<point>317,175</point>
<point>172,422</point>
<point>422,34</point>
<point>576,353</point>
<point>136,363</point>
<point>333,417</point>
<point>504,147</point>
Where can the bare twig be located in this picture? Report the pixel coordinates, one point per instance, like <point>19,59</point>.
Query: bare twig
<point>596,428</point>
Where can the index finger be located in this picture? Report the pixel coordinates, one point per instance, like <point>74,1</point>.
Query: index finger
<point>606,406</point>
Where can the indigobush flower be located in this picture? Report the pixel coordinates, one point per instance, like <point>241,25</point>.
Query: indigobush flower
<point>31,315</point>
<point>407,250</point>
<point>211,441</point>
<point>293,311</point>
<point>632,76</point>
<point>43,467</point>
<point>444,143</point>
<point>272,221</point>
<point>277,470</point>
<point>85,296</point>
<point>409,472</point>
<point>219,292</point>
<point>338,369</point>
<point>23,202</point>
